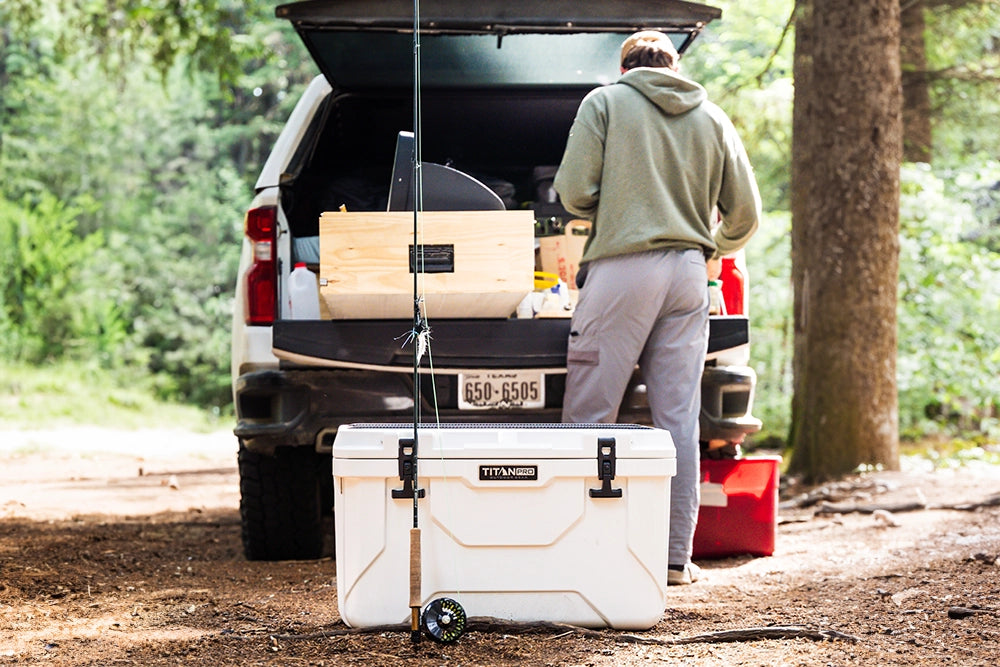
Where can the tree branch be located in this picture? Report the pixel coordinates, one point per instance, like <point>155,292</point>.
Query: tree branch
<point>829,508</point>
<point>781,41</point>
<point>959,74</point>
<point>497,625</point>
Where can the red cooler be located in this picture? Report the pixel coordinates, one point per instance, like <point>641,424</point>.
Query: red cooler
<point>739,507</point>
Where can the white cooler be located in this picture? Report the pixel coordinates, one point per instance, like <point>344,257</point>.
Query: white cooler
<point>537,522</point>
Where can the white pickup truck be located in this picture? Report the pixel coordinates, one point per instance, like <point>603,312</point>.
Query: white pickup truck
<point>500,85</point>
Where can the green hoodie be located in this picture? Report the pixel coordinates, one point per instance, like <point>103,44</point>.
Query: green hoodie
<point>648,160</point>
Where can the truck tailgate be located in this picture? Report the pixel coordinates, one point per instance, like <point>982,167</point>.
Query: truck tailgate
<point>466,343</point>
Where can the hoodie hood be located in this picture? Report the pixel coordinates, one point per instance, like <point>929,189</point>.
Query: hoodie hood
<point>665,88</point>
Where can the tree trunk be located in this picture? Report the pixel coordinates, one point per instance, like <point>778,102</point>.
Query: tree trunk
<point>917,139</point>
<point>846,152</point>
<point>4,80</point>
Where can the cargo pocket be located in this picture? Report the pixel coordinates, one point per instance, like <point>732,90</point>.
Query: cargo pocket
<point>582,350</point>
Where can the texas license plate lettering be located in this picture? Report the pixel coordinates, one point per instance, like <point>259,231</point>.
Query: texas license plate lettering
<point>501,389</point>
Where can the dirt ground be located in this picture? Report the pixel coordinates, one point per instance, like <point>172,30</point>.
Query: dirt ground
<point>123,548</point>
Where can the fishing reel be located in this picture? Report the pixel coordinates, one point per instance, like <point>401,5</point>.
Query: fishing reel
<point>443,620</point>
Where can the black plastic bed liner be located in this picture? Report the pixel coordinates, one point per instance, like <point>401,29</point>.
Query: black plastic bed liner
<point>480,343</point>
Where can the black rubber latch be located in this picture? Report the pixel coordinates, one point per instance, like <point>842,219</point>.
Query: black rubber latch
<point>407,460</point>
<point>606,469</point>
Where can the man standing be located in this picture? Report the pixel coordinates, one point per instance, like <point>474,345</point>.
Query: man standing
<point>649,161</point>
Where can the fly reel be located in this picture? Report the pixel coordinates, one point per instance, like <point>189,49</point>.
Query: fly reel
<point>443,620</point>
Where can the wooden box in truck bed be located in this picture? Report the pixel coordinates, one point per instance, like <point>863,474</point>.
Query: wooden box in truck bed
<point>476,263</point>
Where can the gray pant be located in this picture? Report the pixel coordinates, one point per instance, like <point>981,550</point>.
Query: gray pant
<point>650,309</point>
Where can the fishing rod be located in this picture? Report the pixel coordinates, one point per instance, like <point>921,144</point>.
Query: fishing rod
<point>443,619</point>
<point>416,598</point>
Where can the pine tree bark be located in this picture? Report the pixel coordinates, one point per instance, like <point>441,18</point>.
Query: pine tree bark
<point>846,153</point>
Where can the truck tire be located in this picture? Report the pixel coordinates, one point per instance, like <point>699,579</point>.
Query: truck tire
<point>281,503</point>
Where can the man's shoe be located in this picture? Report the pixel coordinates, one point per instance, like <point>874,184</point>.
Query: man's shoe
<point>688,574</point>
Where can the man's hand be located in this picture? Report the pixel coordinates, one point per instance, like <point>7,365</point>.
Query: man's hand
<point>714,267</point>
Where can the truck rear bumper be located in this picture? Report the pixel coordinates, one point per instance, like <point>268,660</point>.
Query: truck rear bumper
<point>726,400</point>
<point>306,407</point>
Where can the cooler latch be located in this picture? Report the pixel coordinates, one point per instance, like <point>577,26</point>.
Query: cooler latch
<point>407,460</point>
<point>605,469</point>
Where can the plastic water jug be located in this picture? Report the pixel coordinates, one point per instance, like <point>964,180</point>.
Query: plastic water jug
<point>716,300</point>
<point>303,294</point>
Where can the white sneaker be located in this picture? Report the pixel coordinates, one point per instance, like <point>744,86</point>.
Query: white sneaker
<point>690,574</point>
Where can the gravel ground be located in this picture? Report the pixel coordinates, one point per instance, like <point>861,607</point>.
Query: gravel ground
<point>122,548</point>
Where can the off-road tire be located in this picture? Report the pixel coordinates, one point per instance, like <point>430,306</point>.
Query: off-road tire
<point>281,503</point>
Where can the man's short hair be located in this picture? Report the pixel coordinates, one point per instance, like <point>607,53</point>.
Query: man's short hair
<point>648,48</point>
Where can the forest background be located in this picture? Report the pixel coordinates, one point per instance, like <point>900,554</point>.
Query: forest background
<point>130,142</point>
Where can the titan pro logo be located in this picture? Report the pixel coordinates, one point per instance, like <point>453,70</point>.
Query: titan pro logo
<point>509,473</point>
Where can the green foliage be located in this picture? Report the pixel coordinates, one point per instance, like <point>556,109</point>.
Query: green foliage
<point>208,36</point>
<point>949,309</point>
<point>963,54</point>
<point>744,61</point>
<point>768,258</point>
<point>72,127</point>
<point>51,303</point>
<point>181,283</point>
<point>170,155</point>
<point>952,453</point>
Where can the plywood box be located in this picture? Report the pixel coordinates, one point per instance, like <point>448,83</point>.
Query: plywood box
<point>476,263</point>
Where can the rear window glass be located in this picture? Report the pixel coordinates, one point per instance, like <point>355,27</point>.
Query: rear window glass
<point>354,59</point>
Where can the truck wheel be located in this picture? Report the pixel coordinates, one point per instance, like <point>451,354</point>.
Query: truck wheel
<point>281,509</point>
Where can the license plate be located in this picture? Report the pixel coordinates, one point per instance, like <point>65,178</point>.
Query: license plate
<point>501,390</point>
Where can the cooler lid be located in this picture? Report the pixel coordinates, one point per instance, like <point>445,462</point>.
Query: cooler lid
<point>502,441</point>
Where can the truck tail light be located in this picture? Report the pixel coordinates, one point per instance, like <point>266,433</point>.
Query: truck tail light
<point>262,278</point>
<point>732,286</point>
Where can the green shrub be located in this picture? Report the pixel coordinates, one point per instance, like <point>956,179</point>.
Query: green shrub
<point>53,301</point>
<point>949,308</point>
